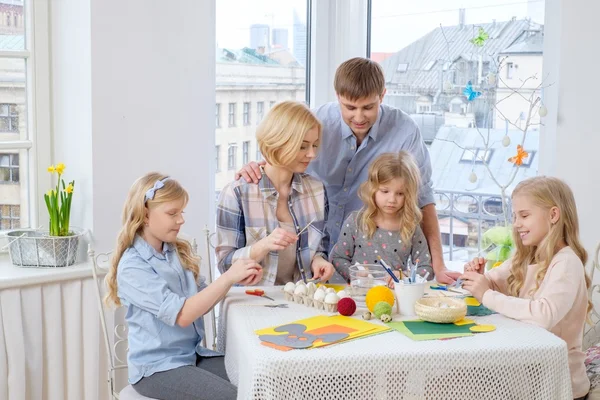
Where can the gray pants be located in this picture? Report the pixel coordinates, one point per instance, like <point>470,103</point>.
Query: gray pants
<point>207,380</point>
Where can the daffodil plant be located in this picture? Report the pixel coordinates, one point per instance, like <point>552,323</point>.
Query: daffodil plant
<point>58,201</point>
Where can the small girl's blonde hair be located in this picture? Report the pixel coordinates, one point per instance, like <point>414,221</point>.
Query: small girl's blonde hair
<point>281,132</point>
<point>386,167</point>
<point>546,192</point>
<point>134,212</point>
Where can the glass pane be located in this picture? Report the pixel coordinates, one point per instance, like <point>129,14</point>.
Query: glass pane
<point>13,99</point>
<point>12,25</point>
<point>464,71</point>
<point>13,193</point>
<point>261,59</point>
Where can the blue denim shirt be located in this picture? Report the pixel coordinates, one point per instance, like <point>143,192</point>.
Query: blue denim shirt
<point>342,167</point>
<point>153,286</point>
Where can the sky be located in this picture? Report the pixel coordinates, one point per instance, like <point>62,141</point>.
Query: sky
<point>395,23</point>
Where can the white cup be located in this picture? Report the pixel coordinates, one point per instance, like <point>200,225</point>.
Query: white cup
<point>407,295</point>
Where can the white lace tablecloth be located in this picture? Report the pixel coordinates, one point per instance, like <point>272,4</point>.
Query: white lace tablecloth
<point>517,361</point>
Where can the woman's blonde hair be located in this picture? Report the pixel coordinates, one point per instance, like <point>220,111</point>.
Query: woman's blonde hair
<point>281,132</point>
<point>134,213</point>
<point>385,168</point>
<point>546,192</point>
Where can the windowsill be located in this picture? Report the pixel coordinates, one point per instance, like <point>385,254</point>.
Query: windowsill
<point>13,277</point>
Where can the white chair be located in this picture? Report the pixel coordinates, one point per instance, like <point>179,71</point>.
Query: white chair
<point>100,265</point>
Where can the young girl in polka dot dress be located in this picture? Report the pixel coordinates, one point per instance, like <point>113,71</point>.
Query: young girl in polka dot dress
<point>387,226</point>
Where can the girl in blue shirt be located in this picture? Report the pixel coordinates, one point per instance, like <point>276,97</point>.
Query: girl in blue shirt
<point>156,276</point>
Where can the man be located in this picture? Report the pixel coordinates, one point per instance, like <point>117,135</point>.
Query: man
<point>356,129</point>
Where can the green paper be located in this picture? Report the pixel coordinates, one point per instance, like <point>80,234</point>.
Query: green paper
<point>479,311</point>
<point>424,327</point>
<point>400,327</point>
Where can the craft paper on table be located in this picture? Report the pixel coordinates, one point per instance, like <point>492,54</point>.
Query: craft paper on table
<point>475,308</point>
<point>421,330</point>
<point>316,332</point>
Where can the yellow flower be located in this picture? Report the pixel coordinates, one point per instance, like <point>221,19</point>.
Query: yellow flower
<point>60,168</point>
<point>69,189</point>
<point>51,169</point>
<point>499,263</point>
<point>49,193</point>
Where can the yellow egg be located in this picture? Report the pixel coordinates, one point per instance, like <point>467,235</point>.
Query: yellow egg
<point>377,294</point>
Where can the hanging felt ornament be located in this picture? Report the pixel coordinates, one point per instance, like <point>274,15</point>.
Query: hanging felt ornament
<point>473,177</point>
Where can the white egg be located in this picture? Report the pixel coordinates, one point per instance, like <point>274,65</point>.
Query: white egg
<point>311,288</point>
<point>300,289</point>
<point>543,111</point>
<point>300,282</point>
<point>491,78</point>
<point>342,293</point>
<point>331,298</point>
<point>319,295</point>
<point>289,287</point>
<point>505,141</point>
<point>330,290</point>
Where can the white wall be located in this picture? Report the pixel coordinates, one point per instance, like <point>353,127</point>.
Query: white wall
<point>570,142</point>
<point>134,81</point>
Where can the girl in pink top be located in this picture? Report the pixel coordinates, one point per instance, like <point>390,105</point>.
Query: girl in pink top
<point>544,283</point>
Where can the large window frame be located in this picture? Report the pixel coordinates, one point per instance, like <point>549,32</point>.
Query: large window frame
<point>33,145</point>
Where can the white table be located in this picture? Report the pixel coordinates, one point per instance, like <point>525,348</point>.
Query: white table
<point>517,361</point>
<point>50,338</point>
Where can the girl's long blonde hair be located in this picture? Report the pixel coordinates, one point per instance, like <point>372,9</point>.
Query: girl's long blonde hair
<point>546,192</point>
<point>386,167</point>
<point>134,212</point>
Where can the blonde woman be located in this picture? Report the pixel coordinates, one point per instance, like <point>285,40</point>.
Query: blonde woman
<point>279,222</point>
<point>155,275</point>
<point>544,283</point>
<point>387,226</point>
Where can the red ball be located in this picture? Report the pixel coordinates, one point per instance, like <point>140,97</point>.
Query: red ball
<point>346,306</point>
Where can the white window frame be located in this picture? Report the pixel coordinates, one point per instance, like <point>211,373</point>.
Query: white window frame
<point>37,139</point>
<point>245,152</point>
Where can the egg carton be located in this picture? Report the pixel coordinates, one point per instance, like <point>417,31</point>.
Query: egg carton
<point>309,301</point>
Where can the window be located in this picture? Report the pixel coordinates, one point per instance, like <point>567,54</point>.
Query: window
<point>9,118</point>
<point>260,111</point>
<point>232,114</point>
<point>402,67</point>
<point>10,216</point>
<point>421,109</point>
<point>16,139</point>
<point>476,155</point>
<point>246,113</point>
<point>9,168</point>
<point>258,153</point>
<point>245,152</point>
<point>218,158</point>
<point>415,69</point>
<point>218,115</point>
<point>510,69</point>
<point>232,156</point>
<point>261,58</point>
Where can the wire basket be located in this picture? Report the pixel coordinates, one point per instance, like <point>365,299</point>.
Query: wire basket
<point>35,248</point>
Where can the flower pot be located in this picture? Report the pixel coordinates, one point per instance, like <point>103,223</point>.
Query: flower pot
<point>34,248</point>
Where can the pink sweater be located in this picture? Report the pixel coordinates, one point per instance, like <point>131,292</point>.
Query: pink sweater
<point>559,305</point>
